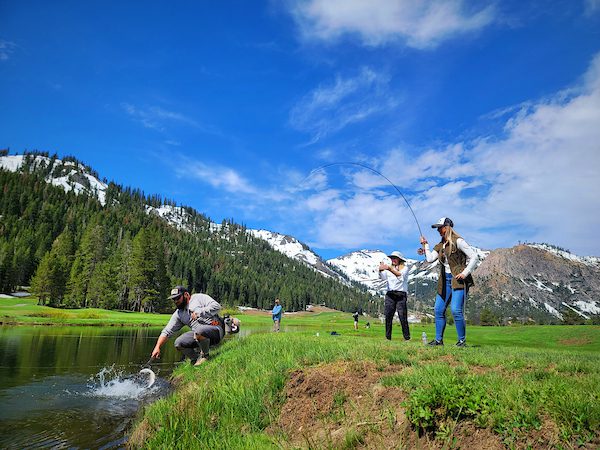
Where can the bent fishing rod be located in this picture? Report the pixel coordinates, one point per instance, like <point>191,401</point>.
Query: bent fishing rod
<point>364,166</point>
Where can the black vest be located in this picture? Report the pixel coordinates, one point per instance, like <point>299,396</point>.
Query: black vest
<point>457,260</point>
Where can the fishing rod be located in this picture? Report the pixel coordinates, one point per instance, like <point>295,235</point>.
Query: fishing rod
<point>364,166</point>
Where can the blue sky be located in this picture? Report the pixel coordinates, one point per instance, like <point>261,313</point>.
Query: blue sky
<point>488,114</point>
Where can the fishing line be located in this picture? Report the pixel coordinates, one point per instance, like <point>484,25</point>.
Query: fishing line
<point>364,166</point>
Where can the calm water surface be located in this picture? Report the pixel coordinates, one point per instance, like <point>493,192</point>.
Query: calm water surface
<point>75,387</point>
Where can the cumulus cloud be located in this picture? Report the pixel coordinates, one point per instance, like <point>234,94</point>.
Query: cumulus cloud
<point>331,107</point>
<point>538,181</point>
<point>416,23</point>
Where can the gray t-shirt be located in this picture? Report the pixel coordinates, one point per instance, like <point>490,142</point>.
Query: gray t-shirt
<point>205,307</point>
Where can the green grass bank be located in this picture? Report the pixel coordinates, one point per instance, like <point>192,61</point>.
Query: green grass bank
<point>522,387</point>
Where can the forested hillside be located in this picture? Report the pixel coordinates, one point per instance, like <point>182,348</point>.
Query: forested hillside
<point>75,252</point>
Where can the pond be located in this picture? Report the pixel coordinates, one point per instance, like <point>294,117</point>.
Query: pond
<point>76,387</point>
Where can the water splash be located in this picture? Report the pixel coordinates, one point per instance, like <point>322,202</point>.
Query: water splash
<point>112,383</point>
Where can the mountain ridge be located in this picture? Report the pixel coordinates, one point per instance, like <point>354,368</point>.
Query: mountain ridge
<point>530,290</point>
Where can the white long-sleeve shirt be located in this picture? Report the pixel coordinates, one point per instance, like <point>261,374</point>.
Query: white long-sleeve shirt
<point>432,255</point>
<point>395,283</point>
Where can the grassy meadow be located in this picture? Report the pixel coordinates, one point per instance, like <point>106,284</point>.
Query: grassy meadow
<point>513,387</point>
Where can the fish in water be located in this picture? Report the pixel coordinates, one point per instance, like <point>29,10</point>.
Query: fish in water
<point>151,376</point>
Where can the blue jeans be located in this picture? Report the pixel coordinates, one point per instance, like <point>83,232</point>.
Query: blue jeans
<point>456,298</point>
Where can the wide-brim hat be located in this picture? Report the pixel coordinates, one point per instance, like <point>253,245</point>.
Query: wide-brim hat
<point>396,254</point>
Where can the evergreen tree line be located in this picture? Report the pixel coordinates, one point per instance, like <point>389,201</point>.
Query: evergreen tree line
<point>76,253</point>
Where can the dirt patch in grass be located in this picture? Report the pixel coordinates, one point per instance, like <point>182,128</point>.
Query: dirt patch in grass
<point>575,341</point>
<point>466,435</point>
<point>341,405</point>
<point>546,437</point>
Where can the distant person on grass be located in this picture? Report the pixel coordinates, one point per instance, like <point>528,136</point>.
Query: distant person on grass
<point>201,313</point>
<point>355,317</point>
<point>456,260</point>
<point>277,312</point>
<point>396,277</point>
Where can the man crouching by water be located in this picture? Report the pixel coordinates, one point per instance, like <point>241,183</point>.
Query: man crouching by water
<point>201,313</point>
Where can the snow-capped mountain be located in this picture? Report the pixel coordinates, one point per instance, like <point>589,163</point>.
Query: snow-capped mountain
<point>72,176</point>
<point>293,248</point>
<point>362,266</point>
<point>67,174</point>
<point>531,280</point>
<point>539,281</point>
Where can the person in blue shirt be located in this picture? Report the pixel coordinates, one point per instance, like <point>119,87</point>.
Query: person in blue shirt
<point>277,311</point>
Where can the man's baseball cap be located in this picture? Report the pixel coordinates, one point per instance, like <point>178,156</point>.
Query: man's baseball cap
<point>397,254</point>
<point>443,222</point>
<point>176,292</point>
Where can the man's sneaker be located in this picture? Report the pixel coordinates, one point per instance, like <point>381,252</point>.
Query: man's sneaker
<point>461,343</point>
<point>435,342</point>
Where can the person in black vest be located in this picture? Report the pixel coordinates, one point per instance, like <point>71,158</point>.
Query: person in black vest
<point>456,260</point>
<point>396,276</point>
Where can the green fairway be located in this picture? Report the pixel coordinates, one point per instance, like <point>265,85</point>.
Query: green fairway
<point>26,311</point>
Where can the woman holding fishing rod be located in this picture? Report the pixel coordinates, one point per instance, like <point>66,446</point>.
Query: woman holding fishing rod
<point>396,277</point>
<point>456,260</point>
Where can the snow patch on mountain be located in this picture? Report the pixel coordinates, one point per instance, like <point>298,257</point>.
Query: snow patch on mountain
<point>293,248</point>
<point>551,310</point>
<point>362,266</point>
<point>588,307</point>
<point>11,162</point>
<point>587,260</point>
<point>175,215</point>
<point>72,177</point>
<point>287,245</point>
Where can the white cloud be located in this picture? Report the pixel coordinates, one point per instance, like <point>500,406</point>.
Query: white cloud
<point>538,181</point>
<point>330,108</point>
<point>216,176</point>
<point>155,117</point>
<point>417,23</point>
<point>6,49</point>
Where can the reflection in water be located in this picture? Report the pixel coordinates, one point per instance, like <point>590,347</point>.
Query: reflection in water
<point>68,387</point>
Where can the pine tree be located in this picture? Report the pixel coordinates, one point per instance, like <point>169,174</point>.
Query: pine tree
<point>50,279</point>
<point>90,254</point>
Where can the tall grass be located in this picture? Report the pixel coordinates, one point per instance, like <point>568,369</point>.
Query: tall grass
<point>230,401</point>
